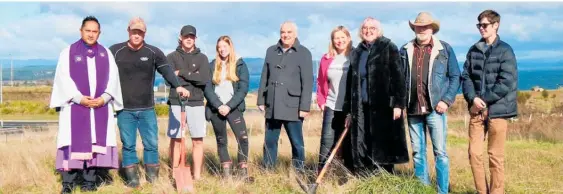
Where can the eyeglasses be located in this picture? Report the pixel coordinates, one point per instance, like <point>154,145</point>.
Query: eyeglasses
<point>484,25</point>
<point>369,28</point>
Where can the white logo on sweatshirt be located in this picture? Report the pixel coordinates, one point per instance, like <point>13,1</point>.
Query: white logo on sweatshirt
<point>144,58</point>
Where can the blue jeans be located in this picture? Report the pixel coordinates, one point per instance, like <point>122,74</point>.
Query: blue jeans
<point>295,135</point>
<point>128,122</point>
<point>437,126</point>
<point>332,128</point>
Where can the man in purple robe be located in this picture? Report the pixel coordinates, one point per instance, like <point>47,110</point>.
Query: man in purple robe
<point>87,91</point>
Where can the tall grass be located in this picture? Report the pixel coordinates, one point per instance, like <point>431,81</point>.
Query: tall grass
<point>27,166</point>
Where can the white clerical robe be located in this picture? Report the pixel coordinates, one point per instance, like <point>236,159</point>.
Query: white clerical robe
<point>65,93</point>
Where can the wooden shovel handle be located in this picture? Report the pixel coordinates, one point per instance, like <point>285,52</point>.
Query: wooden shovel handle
<point>332,154</point>
<point>183,125</point>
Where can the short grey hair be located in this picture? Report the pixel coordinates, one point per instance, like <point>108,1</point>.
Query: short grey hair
<point>377,23</point>
<point>292,24</point>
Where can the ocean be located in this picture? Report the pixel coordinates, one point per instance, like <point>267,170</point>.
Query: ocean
<point>547,79</point>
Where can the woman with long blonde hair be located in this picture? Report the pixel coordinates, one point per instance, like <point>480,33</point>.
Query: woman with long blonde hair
<point>331,88</point>
<point>225,96</point>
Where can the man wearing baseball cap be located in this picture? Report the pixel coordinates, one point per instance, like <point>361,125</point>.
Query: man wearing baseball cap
<point>432,76</point>
<point>192,68</point>
<point>137,62</point>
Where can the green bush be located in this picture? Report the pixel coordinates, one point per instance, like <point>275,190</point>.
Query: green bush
<point>161,110</point>
<point>545,94</point>
<point>523,97</point>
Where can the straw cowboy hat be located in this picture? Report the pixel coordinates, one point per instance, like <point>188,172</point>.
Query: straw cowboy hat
<point>423,19</point>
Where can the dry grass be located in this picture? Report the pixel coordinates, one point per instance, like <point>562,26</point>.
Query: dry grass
<point>531,167</point>
<point>534,157</point>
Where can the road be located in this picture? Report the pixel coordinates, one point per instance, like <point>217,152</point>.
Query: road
<point>17,127</point>
<point>23,124</point>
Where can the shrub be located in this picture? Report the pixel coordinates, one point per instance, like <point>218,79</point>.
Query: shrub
<point>545,94</point>
<point>161,109</point>
<point>523,97</point>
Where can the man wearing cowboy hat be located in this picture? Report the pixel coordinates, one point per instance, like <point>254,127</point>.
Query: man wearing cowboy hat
<point>432,80</point>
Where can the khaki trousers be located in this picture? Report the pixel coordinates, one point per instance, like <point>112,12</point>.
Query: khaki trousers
<point>480,126</point>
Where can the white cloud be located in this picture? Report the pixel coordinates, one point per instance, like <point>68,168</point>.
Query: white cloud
<point>539,54</point>
<point>255,26</point>
<point>129,9</point>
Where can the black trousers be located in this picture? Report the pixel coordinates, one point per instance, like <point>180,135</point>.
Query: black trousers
<point>89,175</point>
<point>238,125</point>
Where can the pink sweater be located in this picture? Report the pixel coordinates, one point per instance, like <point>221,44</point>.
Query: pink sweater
<point>322,80</point>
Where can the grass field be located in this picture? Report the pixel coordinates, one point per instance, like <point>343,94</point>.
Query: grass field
<point>533,163</point>
<point>531,166</point>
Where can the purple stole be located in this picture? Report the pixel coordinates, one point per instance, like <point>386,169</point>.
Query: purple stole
<point>81,144</point>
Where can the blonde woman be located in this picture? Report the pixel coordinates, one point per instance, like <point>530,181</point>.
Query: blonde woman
<point>331,88</point>
<point>225,96</point>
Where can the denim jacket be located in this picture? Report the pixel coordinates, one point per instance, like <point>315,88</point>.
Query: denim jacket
<point>444,75</point>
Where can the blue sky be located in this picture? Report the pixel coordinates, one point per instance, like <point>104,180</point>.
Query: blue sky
<point>40,30</point>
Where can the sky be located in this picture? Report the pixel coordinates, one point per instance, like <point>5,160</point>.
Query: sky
<point>40,30</point>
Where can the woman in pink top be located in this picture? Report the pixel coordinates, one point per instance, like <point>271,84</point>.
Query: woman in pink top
<point>331,88</point>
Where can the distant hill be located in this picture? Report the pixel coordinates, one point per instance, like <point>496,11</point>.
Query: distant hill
<point>31,72</point>
<point>29,62</point>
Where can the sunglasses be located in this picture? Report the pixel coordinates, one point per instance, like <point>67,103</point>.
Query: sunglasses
<point>484,25</point>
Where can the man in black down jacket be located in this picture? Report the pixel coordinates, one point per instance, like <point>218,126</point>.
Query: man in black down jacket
<point>490,81</point>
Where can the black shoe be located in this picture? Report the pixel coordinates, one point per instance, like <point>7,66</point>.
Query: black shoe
<point>88,186</point>
<point>67,188</point>
<point>131,176</point>
<point>151,173</point>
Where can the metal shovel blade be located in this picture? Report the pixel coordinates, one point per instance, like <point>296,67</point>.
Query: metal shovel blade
<point>182,173</point>
<point>312,188</point>
<point>308,188</point>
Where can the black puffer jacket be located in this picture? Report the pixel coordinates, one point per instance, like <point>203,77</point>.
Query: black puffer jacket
<point>491,74</point>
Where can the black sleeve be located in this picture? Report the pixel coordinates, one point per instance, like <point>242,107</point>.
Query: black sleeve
<point>201,76</point>
<point>346,107</point>
<point>165,69</point>
<point>210,94</point>
<point>306,74</point>
<point>263,83</point>
<point>466,82</point>
<point>397,77</point>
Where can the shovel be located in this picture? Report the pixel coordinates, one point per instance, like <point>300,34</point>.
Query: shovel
<point>181,172</point>
<point>312,188</point>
